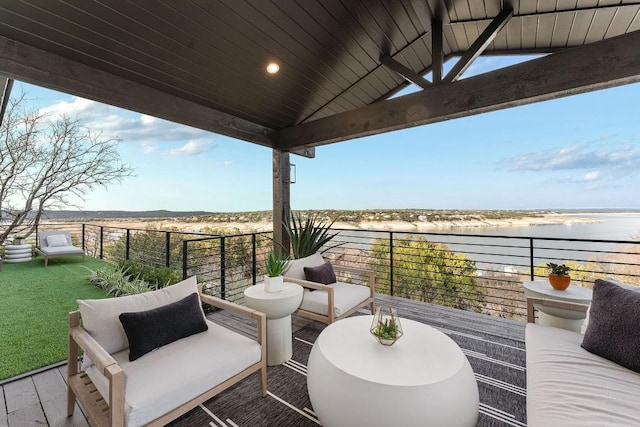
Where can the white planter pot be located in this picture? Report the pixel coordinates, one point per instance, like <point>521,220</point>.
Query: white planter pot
<point>273,284</point>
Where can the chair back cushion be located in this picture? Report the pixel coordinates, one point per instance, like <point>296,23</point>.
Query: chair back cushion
<point>101,317</point>
<point>54,238</point>
<point>295,267</point>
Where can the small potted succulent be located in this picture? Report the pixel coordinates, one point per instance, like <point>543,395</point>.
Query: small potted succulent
<point>559,276</point>
<point>275,265</point>
<point>386,326</point>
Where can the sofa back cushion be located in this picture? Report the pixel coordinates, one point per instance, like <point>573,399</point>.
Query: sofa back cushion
<point>295,267</point>
<point>613,331</point>
<point>101,317</point>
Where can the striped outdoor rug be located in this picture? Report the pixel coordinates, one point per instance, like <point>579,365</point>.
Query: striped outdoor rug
<point>497,360</point>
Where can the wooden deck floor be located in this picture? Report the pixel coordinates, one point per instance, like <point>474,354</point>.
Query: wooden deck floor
<point>40,399</point>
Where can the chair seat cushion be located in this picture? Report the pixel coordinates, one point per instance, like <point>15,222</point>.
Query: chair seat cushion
<point>345,296</point>
<point>61,250</point>
<point>178,372</point>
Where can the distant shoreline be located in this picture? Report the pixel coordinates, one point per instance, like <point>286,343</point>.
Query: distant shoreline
<point>193,224</point>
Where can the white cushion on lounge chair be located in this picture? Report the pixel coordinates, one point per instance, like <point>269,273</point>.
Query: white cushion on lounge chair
<point>196,364</point>
<point>345,297</point>
<point>61,250</point>
<point>57,240</point>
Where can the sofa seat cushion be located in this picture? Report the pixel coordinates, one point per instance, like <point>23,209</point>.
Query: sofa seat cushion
<point>568,386</point>
<point>345,297</point>
<point>178,372</point>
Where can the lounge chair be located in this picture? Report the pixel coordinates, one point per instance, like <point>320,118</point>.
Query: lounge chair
<point>332,301</point>
<point>56,243</point>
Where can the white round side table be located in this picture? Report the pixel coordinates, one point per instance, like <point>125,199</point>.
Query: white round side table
<point>423,379</point>
<point>278,306</point>
<point>558,317</point>
<point>17,253</point>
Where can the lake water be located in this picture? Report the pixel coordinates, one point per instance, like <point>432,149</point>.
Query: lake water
<point>514,250</point>
<point>618,226</point>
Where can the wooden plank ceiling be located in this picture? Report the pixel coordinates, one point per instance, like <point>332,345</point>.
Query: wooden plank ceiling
<point>202,62</point>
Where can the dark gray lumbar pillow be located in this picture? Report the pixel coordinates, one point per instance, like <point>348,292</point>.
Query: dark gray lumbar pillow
<point>321,274</point>
<point>614,319</point>
<point>151,329</point>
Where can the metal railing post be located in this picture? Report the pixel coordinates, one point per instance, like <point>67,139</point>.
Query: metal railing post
<point>127,247</point>
<point>184,259</point>
<point>101,242</point>
<point>391,263</point>
<point>83,235</point>
<point>167,249</point>
<point>254,271</point>
<point>531,258</point>
<point>223,261</point>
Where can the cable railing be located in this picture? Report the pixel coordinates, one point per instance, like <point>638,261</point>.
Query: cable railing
<point>473,272</point>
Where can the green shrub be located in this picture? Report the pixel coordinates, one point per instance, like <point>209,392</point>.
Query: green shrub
<point>157,276</point>
<point>117,281</point>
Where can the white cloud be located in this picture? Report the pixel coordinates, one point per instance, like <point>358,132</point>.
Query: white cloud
<point>142,129</point>
<point>192,148</point>
<point>610,161</point>
<point>593,176</point>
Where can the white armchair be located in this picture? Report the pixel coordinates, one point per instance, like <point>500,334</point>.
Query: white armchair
<point>334,301</point>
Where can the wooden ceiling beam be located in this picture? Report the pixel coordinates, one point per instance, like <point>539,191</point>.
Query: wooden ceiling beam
<point>599,65</point>
<point>405,72</point>
<point>25,63</point>
<point>479,45</point>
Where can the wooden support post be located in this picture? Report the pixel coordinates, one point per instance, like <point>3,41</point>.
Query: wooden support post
<point>281,198</point>
<point>436,51</point>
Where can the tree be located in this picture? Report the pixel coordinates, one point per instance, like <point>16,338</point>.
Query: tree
<point>46,161</point>
<point>428,271</point>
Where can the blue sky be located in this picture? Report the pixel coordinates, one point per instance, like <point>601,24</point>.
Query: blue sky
<point>581,151</point>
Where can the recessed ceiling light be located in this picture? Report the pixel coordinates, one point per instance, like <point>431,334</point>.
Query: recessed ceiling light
<point>273,68</point>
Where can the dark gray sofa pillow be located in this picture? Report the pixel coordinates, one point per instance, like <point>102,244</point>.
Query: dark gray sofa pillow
<point>614,325</point>
<point>321,274</point>
<point>151,329</point>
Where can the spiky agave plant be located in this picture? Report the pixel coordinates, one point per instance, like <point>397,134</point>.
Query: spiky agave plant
<point>308,235</point>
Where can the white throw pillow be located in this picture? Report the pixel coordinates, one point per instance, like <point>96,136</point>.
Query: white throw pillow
<point>295,268</point>
<point>57,240</point>
<point>100,317</point>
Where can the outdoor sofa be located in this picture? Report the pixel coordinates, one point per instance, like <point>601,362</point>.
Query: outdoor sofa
<point>570,386</point>
<point>326,299</point>
<point>133,374</point>
<point>56,243</point>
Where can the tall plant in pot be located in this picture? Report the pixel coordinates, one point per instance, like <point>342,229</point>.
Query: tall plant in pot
<point>559,276</point>
<point>308,235</point>
<point>275,265</point>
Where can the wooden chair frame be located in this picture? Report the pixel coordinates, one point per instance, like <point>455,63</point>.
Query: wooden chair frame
<point>100,413</point>
<point>331,317</point>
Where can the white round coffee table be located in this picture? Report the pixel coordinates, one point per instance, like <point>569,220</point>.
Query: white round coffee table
<point>17,253</point>
<point>558,317</point>
<point>423,379</point>
<point>278,307</point>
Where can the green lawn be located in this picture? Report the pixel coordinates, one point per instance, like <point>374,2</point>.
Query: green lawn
<point>34,304</point>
